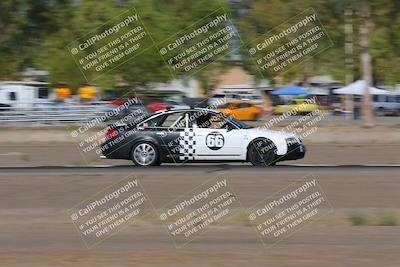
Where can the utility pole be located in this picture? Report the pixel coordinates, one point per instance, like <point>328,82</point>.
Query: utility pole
<point>365,30</point>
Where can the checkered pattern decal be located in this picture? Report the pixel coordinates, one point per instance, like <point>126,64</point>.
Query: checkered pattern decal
<point>187,144</point>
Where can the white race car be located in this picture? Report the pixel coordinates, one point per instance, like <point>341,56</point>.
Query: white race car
<point>198,135</point>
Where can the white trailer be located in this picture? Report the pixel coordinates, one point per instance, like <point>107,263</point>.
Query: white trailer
<point>20,94</point>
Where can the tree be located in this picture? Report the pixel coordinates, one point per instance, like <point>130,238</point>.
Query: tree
<point>160,22</point>
<point>384,47</point>
<point>365,29</point>
<point>12,21</point>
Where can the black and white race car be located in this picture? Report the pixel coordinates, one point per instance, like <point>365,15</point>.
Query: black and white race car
<point>200,135</point>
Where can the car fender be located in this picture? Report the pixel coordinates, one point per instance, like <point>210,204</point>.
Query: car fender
<point>278,138</point>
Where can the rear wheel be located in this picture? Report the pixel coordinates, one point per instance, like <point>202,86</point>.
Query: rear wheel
<point>145,154</point>
<point>262,152</point>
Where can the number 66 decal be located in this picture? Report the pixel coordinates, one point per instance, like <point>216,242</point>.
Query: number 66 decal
<point>215,140</point>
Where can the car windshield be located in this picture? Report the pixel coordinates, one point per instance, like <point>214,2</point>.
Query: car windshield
<point>241,124</point>
<point>223,106</point>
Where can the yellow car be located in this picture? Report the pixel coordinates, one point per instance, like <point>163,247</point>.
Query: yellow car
<point>301,106</point>
<point>241,110</point>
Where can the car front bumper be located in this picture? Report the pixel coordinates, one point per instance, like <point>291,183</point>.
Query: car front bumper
<point>294,151</point>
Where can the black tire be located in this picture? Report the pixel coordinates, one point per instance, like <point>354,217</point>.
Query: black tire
<point>152,155</point>
<point>262,152</point>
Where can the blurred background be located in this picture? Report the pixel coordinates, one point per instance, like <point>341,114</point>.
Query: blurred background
<point>40,84</point>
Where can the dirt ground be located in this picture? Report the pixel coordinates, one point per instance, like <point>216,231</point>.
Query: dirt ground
<point>36,230</point>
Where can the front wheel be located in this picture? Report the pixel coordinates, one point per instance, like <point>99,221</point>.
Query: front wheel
<point>262,153</point>
<point>145,154</point>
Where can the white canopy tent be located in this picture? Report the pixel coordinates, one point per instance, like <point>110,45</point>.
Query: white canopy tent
<point>357,88</point>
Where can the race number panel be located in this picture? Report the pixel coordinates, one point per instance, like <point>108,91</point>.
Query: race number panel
<point>215,144</point>
<point>215,140</point>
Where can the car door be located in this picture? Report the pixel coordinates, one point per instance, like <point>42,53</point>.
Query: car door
<point>168,129</point>
<point>215,137</point>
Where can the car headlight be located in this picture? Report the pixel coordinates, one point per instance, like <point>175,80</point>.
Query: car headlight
<point>291,140</point>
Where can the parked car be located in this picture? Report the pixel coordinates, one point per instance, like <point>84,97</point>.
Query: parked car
<point>386,104</point>
<point>241,110</point>
<point>299,105</point>
<point>157,106</point>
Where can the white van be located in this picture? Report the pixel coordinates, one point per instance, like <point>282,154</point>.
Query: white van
<point>233,93</point>
<point>386,104</point>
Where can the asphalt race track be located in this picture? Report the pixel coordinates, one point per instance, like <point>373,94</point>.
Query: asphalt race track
<point>40,183</point>
<point>209,168</point>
